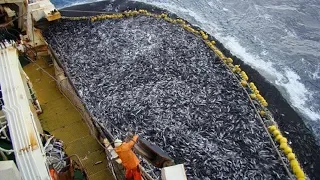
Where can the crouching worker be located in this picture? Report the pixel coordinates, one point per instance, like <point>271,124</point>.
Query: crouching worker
<point>128,158</point>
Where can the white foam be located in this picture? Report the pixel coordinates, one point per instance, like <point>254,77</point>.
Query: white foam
<point>299,94</point>
<point>287,79</point>
<point>212,4</point>
<point>282,7</point>
<point>238,50</point>
<point>225,9</point>
<point>187,14</point>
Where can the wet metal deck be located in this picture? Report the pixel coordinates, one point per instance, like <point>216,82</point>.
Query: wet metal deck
<point>61,119</point>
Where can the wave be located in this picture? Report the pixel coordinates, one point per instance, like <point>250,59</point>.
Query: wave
<point>288,82</point>
<point>68,3</point>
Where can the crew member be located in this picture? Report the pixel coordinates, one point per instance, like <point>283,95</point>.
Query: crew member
<point>128,158</point>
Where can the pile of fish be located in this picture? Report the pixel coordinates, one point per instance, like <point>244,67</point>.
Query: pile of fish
<point>55,154</point>
<point>163,82</point>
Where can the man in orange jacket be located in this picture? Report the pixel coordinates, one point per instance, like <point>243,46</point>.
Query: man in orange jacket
<point>128,158</point>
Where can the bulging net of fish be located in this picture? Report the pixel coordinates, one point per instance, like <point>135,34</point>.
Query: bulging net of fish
<point>163,82</point>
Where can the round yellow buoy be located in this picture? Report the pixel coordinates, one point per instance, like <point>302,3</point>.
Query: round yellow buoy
<point>262,113</point>
<point>243,83</point>
<point>291,156</point>
<point>135,12</point>
<point>234,70</point>
<point>245,77</point>
<point>296,169</point>
<point>238,69</point>
<point>283,146</point>
<point>283,140</point>
<point>181,21</point>
<point>229,60</point>
<point>259,96</point>
<point>204,35</point>
<point>287,150</point>
<point>253,96</point>
<point>278,137</point>
<point>265,104</point>
<point>276,132</point>
<point>299,173</point>
<point>272,128</point>
<point>294,163</point>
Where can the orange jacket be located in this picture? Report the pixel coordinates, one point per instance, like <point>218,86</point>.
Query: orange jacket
<point>127,156</point>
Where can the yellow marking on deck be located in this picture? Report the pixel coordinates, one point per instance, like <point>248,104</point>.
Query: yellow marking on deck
<point>60,118</point>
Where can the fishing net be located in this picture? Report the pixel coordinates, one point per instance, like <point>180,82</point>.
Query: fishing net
<point>163,82</point>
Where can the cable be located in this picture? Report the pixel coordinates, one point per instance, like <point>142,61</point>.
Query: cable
<point>5,25</point>
<point>81,164</point>
<point>32,49</point>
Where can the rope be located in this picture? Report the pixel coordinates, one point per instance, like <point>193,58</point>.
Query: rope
<point>81,164</point>
<point>4,25</point>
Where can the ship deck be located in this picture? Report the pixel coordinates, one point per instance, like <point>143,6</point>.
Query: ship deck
<point>62,120</point>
